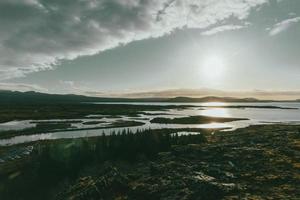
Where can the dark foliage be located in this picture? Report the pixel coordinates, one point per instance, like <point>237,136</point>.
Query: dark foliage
<point>56,162</point>
<point>193,120</point>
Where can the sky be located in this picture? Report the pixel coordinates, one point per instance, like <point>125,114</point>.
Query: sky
<point>152,48</point>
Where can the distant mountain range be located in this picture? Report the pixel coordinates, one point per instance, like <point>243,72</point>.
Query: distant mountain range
<point>14,97</point>
<point>211,99</point>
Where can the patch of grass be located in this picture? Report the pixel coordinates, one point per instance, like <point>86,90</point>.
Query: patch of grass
<point>194,120</point>
<point>57,122</point>
<point>92,122</point>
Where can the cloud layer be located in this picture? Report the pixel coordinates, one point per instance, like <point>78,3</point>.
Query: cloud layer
<point>283,25</point>
<point>21,87</point>
<point>222,29</point>
<point>36,34</point>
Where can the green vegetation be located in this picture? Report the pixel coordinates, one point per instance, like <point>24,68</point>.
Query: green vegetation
<point>92,122</point>
<point>121,123</point>
<point>193,120</point>
<point>57,122</point>
<point>56,162</point>
<point>258,162</point>
<point>71,111</point>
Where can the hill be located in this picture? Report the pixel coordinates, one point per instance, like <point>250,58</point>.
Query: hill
<point>14,97</point>
<point>212,99</point>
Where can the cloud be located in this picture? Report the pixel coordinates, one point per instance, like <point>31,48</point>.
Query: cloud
<point>282,26</point>
<point>222,29</point>
<point>21,87</point>
<point>67,83</point>
<point>36,35</point>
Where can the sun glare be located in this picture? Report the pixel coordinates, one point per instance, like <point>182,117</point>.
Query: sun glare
<point>216,112</point>
<point>213,67</point>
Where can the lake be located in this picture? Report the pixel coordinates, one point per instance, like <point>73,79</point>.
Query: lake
<point>256,113</point>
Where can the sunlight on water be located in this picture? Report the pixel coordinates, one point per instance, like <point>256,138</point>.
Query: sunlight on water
<point>211,104</point>
<point>16,125</point>
<point>212,109</point>
<point>215,125</point>
<point>216,112</point>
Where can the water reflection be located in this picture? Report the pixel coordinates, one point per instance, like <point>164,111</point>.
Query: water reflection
<point>255,116</point>
<point>212,104</point>
<point>16,125</point>
<point>216,112</point>
<point>215,125</point>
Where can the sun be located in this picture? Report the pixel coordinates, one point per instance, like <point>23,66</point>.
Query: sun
<point>213,67</point>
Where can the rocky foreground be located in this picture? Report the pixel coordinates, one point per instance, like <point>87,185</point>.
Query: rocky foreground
<point>259,162</point>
